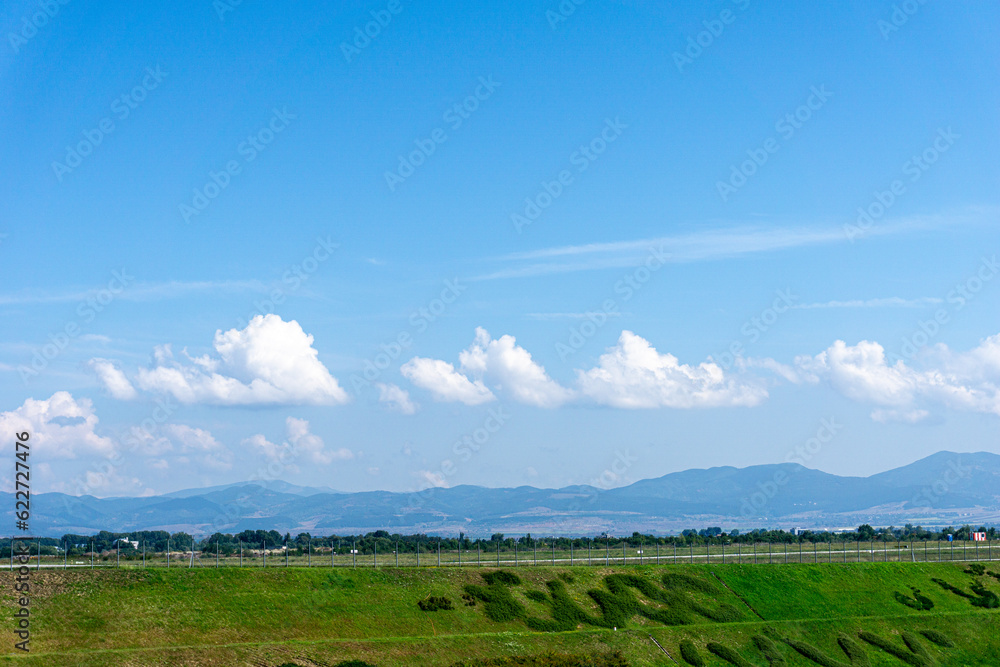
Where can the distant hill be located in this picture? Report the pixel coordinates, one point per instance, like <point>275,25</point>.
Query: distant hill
<point>945,488</point>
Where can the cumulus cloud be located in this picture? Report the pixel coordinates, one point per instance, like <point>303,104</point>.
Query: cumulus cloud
<point>966,381</point>
<point>180,444</point>
<point>633,374</point>
<point>511,367</point>
<point>60,426</point>
<point>300,445</point>
<point>501,362</point>
<point>113,379</point>
<point>444,382</point>
<point>269,362</point>
<point>396,398</point>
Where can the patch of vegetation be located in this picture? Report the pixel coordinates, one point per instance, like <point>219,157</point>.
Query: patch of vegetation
<point>897,651</point>
<point>727,654</point>
<point>615,659</point>
<point>976,569</point>
<point>500,605</point>
<point>566,614</point>
<point>674,581</point>
<point>938,638</point>
<point>918,601</point>
<point>352,663</point>
<point>436,603</point>
<point>916,646</point>
<point>469,600</point>
<point>984,598</point>
<point>690,655</point>
<point>810,652</point>
<point>567,577</point>
<point>854,651</point>
<point>770,650</point>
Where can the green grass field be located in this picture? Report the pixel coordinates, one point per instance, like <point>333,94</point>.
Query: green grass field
<point>758,615</point>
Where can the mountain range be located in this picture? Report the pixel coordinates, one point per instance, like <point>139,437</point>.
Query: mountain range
<point>943,489</point>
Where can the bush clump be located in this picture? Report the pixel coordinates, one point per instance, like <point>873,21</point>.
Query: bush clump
<point>727,654</point>
<point>918,601</point>
<point>897,651</point>
<point>614,659</point>
<point>436,603</point>
<point>916,646</point>
<point>690,655</point>
<point>353,663</point>
<point>566,614</point>
<point>537,596</point>
<point>938,638</point>
<point>854,651</point>
<point>986,599</point>
<point>500,605</point>
<point>812,653</point>
<point>769,649</point>
<point>976,569</point>
<point>673,581</point>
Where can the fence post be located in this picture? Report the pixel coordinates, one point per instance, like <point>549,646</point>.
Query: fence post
<point>91,553</point>
<point>144,554</point>
<point>241,553</point>
<point>354,553</point>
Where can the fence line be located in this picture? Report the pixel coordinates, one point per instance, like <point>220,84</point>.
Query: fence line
<point>758,553</point>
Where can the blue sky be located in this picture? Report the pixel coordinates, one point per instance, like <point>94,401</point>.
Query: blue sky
<point>570,220</point>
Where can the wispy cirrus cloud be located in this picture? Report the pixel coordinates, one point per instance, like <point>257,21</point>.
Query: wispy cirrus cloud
<point>889,302</point>
<point>136,292</point>
<point>722,242</point>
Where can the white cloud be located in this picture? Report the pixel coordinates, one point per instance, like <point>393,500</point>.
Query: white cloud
<point>269,362</point>
<point>113,379</point>
<point>512,368</point>
<point>59,427</point>
<point>299,445</point>
<point>968,381</point>
<point>396,398</point>
<point>433,479</point>
<point>444,382</point>
<point>634,375</point>
<point>182,444</point>
<point>506,365</point>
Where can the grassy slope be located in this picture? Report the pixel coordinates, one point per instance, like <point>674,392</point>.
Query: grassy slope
<point>321,616</point>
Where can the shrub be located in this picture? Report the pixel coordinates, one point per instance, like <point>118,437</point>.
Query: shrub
<point>469,600</point>
<point>502,577</point>
<point>894,650</point>
<point>812,653</point>
<point>976,569</point>
<point>567,577</point>
<point>854,651</point>
<point>918,601</point>
<point>566,614</point>
<point>353,663</point>
<point>615,659</point>
<point>673,581</point>
<point>435,603</point>
<point>984,598</point>
<point>948,587</point>
<point>537,596</point>
<point>938,638</point>
<point>769,649</point>
<point>727,654</point>
<point>500,605</point>
<point>913,643</point>
<point>690,655</point>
